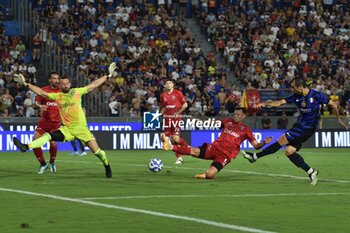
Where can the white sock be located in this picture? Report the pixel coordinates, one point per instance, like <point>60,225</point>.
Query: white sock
<point>311,170</point>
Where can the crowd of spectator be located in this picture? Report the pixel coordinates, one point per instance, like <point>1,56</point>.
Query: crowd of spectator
<point>264,44</point>
<point>14,57</point>
<point>267,43</point>
<point>149,43</point>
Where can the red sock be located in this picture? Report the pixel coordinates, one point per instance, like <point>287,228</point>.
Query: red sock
<point>182,142</point>
<point>39,155</point>
<point>182,150</point>
<point>53,152</point>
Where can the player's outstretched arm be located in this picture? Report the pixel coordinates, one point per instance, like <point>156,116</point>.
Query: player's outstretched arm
<point>257,145</point>
<point>19,78</point>
<point>335,111</point>
<point>271,103</point>
<point>98,82</point>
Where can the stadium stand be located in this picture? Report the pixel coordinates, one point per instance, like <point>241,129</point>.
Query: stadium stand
<point>263,44</point>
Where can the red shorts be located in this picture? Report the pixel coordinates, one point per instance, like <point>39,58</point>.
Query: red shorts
<point>210,152</point>
<point>171,126</point>
<point>48,127</point>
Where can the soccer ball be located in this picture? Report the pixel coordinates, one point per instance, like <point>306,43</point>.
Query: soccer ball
<point>155,165</point>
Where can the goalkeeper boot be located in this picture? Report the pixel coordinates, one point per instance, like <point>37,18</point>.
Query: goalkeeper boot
<point>166,143</point>
<point>249,156</point>
<point>53,167</point>
<point>20,145</point>
<point>75,153</point>
<point>313,177</point>
<point>83,153</point>
<point>108,171</point>
<point>42,168</point>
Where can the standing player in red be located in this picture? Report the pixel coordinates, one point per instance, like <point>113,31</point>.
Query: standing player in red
<point>223,149</point>
<point>50,121</point>
<point>173,104</point>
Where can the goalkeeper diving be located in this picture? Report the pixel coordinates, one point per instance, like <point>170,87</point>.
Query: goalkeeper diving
<point>72,114</point>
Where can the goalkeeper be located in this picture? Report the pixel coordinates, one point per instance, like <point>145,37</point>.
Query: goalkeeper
<point>72,114</point>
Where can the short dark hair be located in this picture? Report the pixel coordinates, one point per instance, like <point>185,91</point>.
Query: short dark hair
<point>51,73</point>
<point>65,77</point>
<point>244,110</point>
<point>171,80</point>
<point>299,82</point>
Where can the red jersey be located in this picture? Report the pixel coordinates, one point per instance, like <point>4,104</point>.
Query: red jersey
<point>52,113</point>
<point>172,102</point>
<point>231,138</point>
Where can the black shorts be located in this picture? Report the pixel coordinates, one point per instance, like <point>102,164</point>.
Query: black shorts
<point>297,135</point>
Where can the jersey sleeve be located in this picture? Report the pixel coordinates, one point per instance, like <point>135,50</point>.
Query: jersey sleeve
<point>224,122</point>
<point>250,135</point>
<point>39,99</point>
<point>290,99</point>
<point>52,96</point>
<point>162,102</point>
<point>82,90</point>
<point>181,97</point>
<point>321,98</point>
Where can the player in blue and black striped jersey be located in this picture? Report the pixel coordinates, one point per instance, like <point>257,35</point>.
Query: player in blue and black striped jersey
<point>309,103</point>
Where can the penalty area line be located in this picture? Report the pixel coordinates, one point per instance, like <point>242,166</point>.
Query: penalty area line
<point>148,212</point>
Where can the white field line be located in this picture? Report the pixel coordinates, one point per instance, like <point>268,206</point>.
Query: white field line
<point>212,196</point>
<point>224,170</point>
<point>154,213</point>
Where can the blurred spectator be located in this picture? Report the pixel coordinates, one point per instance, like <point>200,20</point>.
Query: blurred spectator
<point>19,101</point>
<point>346,95</point>
<point>2,82</point>
<point>5,113</point>
<point>20,47</point>
<point>36,47</point>
<point>31,69</point>
<point>29,105</point>
<point>266,121</point>
<point>6,100</point>
<point>114,106</point>
<point>282,122</point>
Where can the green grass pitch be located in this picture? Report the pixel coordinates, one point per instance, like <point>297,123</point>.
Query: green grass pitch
<point>270,195</point>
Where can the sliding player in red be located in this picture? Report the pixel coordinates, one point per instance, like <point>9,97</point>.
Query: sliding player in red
<point>223,149</point>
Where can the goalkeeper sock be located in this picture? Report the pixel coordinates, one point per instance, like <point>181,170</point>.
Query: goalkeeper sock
<point>74,145</point>
<point>102,156</point>
<point>40,141</point>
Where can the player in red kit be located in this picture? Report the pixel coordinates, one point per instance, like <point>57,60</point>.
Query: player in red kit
<point>50,121</point>
<point>223,149</point>
<point>173,104</point>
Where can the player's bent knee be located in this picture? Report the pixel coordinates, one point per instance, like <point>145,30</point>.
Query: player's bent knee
<point>290,150</point>
<point>57,136</point>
